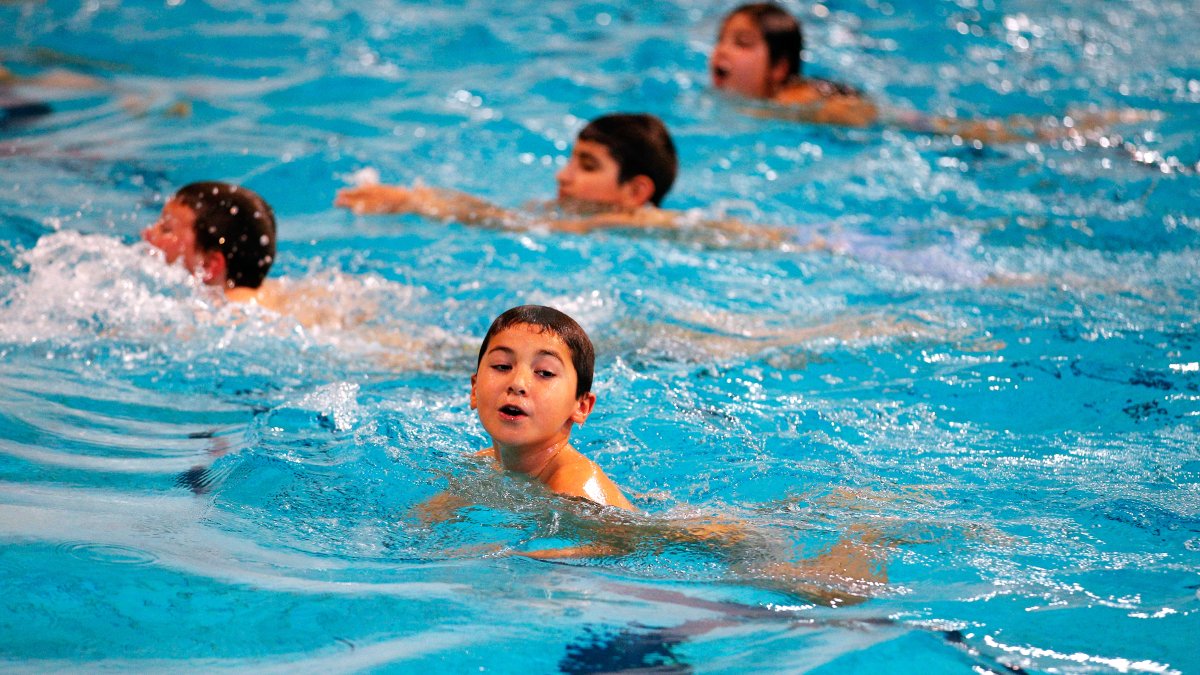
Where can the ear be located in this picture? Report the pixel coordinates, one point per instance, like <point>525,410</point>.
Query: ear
<point>212,268</point>
<point>474,404</point>
<point>777,75</point>
<point>583,408</point>
<point>636,191</point>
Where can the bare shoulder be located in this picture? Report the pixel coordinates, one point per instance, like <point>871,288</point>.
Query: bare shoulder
<point>798,93</point>
<point>577,476</point>
<point>825,102</point>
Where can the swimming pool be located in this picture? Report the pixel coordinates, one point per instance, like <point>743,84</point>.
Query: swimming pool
<point>997,368</point>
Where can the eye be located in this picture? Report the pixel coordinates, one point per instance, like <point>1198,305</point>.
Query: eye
<point>745,39</point>
<point>501,367</point>
<point>546,373</point>
<point>588,164</point>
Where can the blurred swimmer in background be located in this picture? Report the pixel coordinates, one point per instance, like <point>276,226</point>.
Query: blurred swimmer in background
<point>758,56</point>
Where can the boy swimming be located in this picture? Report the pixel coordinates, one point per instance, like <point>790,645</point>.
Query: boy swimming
<point>532,384</point>
<point>221,232</point>
<point>620,169</point>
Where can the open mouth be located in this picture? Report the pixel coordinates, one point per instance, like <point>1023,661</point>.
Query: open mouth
<point>719,73</point>
<point>511,411</point>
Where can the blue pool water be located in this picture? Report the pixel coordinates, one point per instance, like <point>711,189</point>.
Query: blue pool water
<point>997,368</point>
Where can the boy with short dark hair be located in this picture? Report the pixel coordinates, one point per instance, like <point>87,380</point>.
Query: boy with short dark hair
<point>639,145</point>
<point>621,167</point>
<point>532,384</point>
<point>225,233</point>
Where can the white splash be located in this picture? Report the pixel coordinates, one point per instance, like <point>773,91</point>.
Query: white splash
<point>83,285</point>
<point>337,401</point>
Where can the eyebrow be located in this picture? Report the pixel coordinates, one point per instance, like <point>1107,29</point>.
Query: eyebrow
<point>547,352</point>
<point>511,352</point>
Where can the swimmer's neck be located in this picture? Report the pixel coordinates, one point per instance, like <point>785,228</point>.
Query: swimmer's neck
<point>536,463</point>
<point>244,294</point>
<point>573,206</point>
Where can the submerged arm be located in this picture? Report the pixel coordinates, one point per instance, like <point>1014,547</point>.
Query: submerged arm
<point>1018,128</point>
<point>846,573</point>
<point>842,111</point>
<point>720,233</point>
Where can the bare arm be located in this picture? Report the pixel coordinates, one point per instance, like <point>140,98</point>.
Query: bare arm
<point>426,201</point>
<point>439,508</point>
<point>723,233</point>
<point>818,101</point>
<point>844,574</point>
<point>1018,128</point>
<point>456,206</point>
<point>839,110</point>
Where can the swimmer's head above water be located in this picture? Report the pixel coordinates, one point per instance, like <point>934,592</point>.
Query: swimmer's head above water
<point>621,160</point>
<point>757,55</point>
<point>223,232</point>
<point>556,325</point>
<point>531,385</point>
<point>757,52</point>
<point>620,169</point>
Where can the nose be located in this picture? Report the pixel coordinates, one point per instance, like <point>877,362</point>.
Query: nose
<point>518,383</point>
<point>565,174</point>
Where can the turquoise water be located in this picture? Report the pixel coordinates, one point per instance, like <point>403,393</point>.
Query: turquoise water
<point>996,368</point>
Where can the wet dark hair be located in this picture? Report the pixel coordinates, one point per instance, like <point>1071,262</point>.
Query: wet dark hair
<point>641,146</point>
<point>583,355</point>
<point>780,30</point>
<point>238,223</point>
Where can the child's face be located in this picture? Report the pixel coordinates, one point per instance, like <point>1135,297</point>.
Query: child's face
<point>740,63</point>
<point>591,175</point>
<point>524,389</point>
<point>174,233</point>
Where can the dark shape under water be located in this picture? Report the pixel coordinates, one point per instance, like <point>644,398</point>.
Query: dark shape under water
<point>20,111</point>
<point>197,479</point>
<point>632,648</point>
